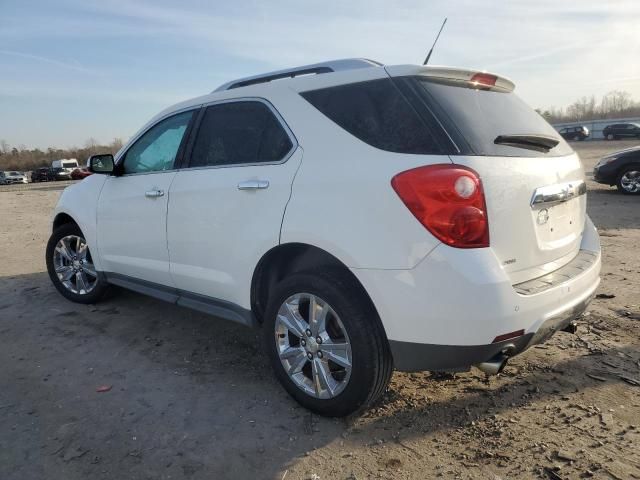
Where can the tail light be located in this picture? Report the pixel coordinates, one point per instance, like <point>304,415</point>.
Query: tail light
<point>449,201</point>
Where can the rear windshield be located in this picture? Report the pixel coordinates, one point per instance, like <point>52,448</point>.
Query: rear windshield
<point>419,116</point>
<point>480,116</point>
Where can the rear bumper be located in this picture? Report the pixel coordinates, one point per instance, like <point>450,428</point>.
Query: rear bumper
<point>445,313</point>
<point>412,357</point>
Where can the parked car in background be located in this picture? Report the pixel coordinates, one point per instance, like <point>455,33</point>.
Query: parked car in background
<point>42,174</point>
<point>397,240</point>
<point>11,177</point>
<point>621,131</point>
<point>574,133</point>
<point>61,173</point>
<point>80,173</point>
<point>621,169</point>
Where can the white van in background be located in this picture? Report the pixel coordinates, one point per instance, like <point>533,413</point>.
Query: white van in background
<point>66,164</point>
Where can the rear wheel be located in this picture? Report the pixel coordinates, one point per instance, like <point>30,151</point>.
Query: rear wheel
<point>629,180</point>
<point>326,343</point>
<point>70,266</point>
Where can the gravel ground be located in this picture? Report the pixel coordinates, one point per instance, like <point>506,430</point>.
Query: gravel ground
<point>193,397</point>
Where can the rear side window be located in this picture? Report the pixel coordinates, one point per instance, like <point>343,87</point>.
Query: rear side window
<point>239,133</point>
<point>376,113</point>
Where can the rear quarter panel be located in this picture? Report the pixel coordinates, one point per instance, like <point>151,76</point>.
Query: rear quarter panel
<point>342,200</point>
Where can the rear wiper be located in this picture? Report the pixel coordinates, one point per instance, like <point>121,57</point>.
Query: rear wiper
<point>539,143</point>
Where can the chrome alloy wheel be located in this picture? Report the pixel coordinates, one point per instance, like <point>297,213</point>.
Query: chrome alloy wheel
<point>630,181</point>
<point>313,345</point>
<point>74,266</point>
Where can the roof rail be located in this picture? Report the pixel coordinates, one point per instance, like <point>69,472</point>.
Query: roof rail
<point>316,68</point>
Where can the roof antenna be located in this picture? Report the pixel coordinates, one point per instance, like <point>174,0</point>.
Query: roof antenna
<point>426,60</point>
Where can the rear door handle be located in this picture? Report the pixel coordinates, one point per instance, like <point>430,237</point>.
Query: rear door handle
<point>155,193</point>
<point>253,184</point>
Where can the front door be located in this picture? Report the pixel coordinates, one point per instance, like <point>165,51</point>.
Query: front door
<point>132,209</point>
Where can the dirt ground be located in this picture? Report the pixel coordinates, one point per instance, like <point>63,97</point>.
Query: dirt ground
<point>193,397</point>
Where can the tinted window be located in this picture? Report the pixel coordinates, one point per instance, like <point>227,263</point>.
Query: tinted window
<point>157,149</point>
<point>376,113</point>
<point>239,132</point>
<point>483,115</point>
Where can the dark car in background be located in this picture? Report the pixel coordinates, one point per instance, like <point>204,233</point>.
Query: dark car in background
<point>621,130</point>
<point>43,174</point>
<point>579,132</point>
<point>621,169</point>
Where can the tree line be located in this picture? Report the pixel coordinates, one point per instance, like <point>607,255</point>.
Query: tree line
<point>24,159</point>
<point>615,104</point>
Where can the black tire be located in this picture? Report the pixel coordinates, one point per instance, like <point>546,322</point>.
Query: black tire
<point>98,290</point>
<point>627,168</point>
<point>372,363</point>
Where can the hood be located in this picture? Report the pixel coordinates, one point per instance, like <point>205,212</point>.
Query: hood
<point>624,152</point>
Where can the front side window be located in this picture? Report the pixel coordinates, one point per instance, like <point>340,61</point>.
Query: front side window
<point>157,148</point>
<point>236,133</point>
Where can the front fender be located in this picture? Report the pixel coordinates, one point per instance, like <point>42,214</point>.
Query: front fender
<point>80,202</point>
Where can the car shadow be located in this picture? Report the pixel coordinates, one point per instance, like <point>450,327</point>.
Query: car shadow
<point>187,395</point>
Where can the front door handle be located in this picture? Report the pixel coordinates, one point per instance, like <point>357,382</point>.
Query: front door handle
<point>155,193</point>
<point>253,184</point>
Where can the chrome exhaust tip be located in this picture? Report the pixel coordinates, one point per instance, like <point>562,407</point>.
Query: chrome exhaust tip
<point>495,365</point>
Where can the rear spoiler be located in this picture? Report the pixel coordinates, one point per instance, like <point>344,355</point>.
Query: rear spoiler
<point>455,76</point>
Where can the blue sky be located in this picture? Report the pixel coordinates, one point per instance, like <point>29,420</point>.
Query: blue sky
<point>74,69</point>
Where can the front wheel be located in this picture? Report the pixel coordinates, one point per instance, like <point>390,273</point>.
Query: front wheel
<point>629,180</point>
<point>326,343</point>
<point>70,266</point>
<point>610,136</point>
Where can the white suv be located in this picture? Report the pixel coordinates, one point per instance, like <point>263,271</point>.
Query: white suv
<point>367,217</point>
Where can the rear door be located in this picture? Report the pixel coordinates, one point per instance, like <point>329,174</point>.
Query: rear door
<point>226,209</point>
<point>132,209</point>
<point>534,190</point>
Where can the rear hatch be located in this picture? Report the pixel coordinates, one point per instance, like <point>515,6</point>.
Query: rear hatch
<point>533,181</point>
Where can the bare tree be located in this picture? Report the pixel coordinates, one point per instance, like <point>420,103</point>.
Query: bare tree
<point>617,103</point>
<point>116,145</point>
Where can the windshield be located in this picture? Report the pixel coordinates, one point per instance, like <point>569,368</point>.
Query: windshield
<point>484,118</point>
<point>15,173</point>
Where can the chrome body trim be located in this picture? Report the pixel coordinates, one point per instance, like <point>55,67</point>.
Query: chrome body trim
<point>294,141</point>
<point>558,193</point>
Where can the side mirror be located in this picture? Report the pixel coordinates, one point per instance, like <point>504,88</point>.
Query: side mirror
<point>103,163</point>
